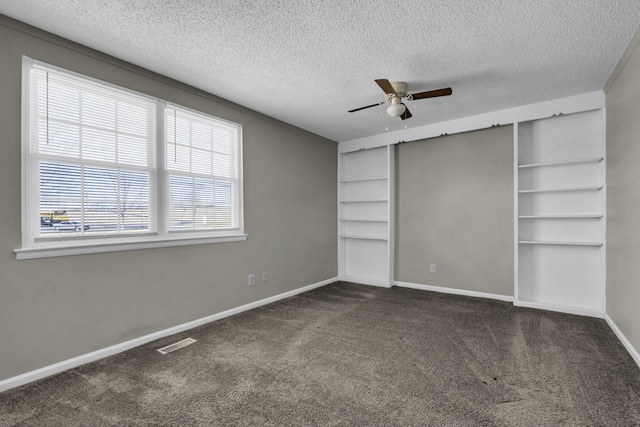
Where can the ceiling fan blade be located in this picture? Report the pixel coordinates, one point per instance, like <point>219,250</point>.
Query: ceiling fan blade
<point>407,114</point>
<point>385,85</point>
<point>368,106</point>
<point>432,93</point>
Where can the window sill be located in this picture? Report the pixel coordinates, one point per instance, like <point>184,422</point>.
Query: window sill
<point>93,247</point>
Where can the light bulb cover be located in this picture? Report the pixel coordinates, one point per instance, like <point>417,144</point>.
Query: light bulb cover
<point>396,110</point>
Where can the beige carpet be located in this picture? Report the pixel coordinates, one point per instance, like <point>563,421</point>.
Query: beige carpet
<point>351,355</point>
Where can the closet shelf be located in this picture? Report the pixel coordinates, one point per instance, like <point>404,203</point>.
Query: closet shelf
<point>557,190</point>
<point>569,216</point>
<point>363,220</point>
<point>542,242</point>
<point>570,162</point>
<point>353,236</point>
<point>348,181</point>
<point>365,201</point>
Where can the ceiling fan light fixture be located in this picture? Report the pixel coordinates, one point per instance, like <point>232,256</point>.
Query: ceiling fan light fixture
<point>396,110</point>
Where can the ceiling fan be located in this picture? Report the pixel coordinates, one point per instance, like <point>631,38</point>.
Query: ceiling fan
<point>396,92</point>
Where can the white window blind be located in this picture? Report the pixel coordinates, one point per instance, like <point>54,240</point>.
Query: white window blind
<point>92,157</point>
<point>203,166</point>
<point>106,168</point>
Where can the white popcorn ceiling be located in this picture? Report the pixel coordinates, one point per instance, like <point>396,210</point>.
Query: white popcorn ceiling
<point>308,62</point>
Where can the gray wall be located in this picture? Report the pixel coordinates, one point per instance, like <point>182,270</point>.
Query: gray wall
<point>455,209</point>
<point>623,200</point>
<point>57,308</point>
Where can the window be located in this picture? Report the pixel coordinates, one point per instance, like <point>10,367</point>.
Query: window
<point>203,177</point>
<point>92,158</point>
<point>105,168</point>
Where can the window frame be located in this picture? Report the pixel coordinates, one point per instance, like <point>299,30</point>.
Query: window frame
<point>237,150</point>
<point>43,247</point>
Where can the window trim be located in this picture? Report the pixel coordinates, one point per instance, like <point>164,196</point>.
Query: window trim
<point>128,244</point>
<point>33,247</point>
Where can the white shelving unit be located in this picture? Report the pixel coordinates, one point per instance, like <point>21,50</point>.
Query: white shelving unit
<point>365,215</point>
<point>560,213</point>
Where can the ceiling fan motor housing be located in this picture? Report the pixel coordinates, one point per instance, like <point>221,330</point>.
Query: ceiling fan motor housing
<point>400,88</point>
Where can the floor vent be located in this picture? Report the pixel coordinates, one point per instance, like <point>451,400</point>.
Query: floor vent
<point>176,346</point>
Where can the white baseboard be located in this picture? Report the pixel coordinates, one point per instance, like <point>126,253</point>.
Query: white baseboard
<point>589,312</point>
<point>368,282</point>
<point>453,291</point>
<point>627,344</point>
<point>47,371</point>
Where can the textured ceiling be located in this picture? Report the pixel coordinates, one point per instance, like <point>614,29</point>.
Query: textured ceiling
<point>308,62</point>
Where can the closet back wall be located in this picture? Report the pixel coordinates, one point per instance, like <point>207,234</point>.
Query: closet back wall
<point>454,208</point>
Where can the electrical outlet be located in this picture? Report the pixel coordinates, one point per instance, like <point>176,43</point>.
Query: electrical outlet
<point>252,279</point>
<point>264,277</point>
<point>432,268</point>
